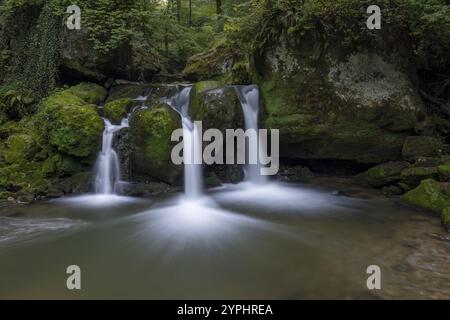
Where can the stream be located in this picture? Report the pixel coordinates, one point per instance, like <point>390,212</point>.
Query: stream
<point>276,241</point>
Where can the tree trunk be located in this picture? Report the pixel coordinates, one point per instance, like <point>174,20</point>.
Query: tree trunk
<point>219,15</point>
<point>219,8</point>
<point>190,13</point>
<point>178,11</point>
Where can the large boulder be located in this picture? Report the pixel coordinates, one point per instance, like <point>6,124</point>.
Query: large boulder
<point>90,92</point>
<point>382,174</point>
<point>116,110</point>
<point>70,124</point>
<point>150,143</point>
<point>356,105</point>
<point>216,106</point>
<point>80,60</point>
<point>430,194</point>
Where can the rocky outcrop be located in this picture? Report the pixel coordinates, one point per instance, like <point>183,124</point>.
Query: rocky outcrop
<point>150,143</point>
<point>51,153</point>
<point>430,194</point>
<point>81,61</point>
<point>356,105</point>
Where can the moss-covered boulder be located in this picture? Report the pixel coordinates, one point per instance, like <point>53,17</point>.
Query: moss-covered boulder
<point>421,146</point>
<point>19,148</point>
<point>91,93</point>
<point>70,124</point>
<point>210,64</point>
<point>151,146</point>
<point>116,110</point>
<point>76,130</point>
<point>216,106</point>
<point>149,94</point>
<point>61,166</point>
<point>413,175</point>
<point>430,194</point>
<point>357,104</point>
<point>127,91</point>
<point>383,174</point>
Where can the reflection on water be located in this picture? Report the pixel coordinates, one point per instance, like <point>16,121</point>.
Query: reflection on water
<point>19,230</point>
<point>241,241</point>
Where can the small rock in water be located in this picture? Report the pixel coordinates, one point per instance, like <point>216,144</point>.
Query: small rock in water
<point>338,193</point>
<point>440,237</point>
<point>392,191</point>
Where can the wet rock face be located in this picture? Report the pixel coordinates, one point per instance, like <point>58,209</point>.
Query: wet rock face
<point>357,106</point>
<point>121,144</point>
<point>421,146</point>
<point>216,106</point>
<point>151,146</point>
<point>80,61</point>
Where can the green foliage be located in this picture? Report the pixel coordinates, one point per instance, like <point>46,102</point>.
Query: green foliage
<point>33,33</point>
<point>14,104</point>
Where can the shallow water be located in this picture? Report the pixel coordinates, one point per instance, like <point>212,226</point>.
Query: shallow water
<point>241,241</point>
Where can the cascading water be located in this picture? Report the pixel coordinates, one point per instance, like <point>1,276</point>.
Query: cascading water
<point>107,169</point>
<point>249,99</point>
<point>192,153</point>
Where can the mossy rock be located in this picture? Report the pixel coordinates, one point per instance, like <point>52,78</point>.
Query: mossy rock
<point>150,142</point>
<point>61,166</point>
<point>383,174</point>
<point>212,63</point>
<point>332,104</point>
<point>127,91</point>
<point>91,93</point>
<point>421,146</point>
<point>116,110</point>
<point>25,177</point>
<point>20,148</point>
<point>77,70</point>
<point>444,173</point>
<point>430,194</point>
<point>76,131</point>
<point>445,217</point>
<point>413,175</point>
<point>217,107</point>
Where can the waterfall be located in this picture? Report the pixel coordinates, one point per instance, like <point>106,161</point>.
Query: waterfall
<point>192,145</point>
<point>107,168</point>
<point>249,99</point>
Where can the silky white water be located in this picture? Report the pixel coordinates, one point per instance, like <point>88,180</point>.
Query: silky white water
<point>192,152</point>
<point>249,99</point>
<point>107,169</point>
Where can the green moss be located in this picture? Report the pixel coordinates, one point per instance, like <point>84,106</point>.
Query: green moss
<point>430,194</point>
<point>76,130</point>
<point>444,173</point>
<point>445,217</point>
<point>414,174</point>
<point>216,107</point>
<point>150,139</point>
<point>19,148</point>
<point>58,100</point>
<point>70,124</point>
<point>61,166</point>
<point>91,93</point>
<point>383,174</point>
<point>131,91</point>
<point>209,64</point>
<point>76,69</point>
<point>116,110</point>
<point>25,177</point>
